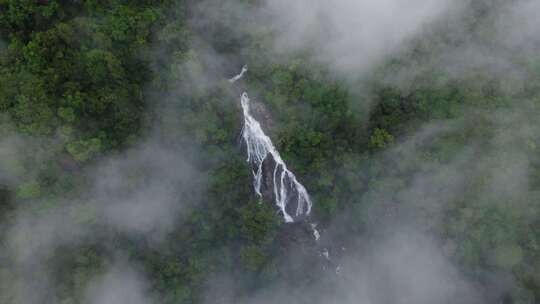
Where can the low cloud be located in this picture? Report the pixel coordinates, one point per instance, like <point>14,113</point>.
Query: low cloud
<point>490,39</point>
<point>146,189</point>
<point>406,266</point>
<point>141,193</point>
<point>120,284</point>
<point>351,36</point>
<point>517,26</point>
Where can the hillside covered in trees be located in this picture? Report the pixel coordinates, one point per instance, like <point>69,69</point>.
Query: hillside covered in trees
<point>413,125</point>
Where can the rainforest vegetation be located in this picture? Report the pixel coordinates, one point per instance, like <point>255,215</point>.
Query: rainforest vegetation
<point>90,88</point>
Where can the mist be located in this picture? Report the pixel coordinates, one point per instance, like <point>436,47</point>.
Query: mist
<point>405,267</point>
<point>437,213</point>
<point>119,284</point>
<point>353,36</point>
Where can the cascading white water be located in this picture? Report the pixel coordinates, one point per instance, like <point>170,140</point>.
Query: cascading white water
<point>239,76</point>
<point>259,147</point>
<point>315,232</point>
<point>285,185</point>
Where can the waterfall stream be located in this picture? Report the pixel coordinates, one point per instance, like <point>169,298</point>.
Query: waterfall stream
<point>285,185</point>
<point>261,150</point>
<point>239,76</point>
<point>261,153</point>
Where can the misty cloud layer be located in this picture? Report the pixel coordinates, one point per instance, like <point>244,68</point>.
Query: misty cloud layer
<point>9,159</point>
<point>143,192</point>
<point>403,268</point>
<point>146,191</point>
<point>465,44</point>
<point>352,36</point>
<point>402,259</point>
<point>517,26</point>
<point>120,284</point>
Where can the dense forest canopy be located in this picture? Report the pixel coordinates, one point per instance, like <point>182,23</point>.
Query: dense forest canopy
<point>412,124</point>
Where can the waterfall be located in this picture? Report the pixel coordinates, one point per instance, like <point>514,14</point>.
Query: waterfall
<point>260,149</point>
<point>285,185</point>
<point>316,233</point>
<point>239,76</point>
<point>286,188</point>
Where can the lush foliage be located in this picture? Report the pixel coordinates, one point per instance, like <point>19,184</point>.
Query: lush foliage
<point>84,80</point>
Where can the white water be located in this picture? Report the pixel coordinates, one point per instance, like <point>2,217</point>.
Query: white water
<point>259,147</point>
<point>285,185</point>
<point>239,76</point>
<point>316,233</point>
<point>326,254</point>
